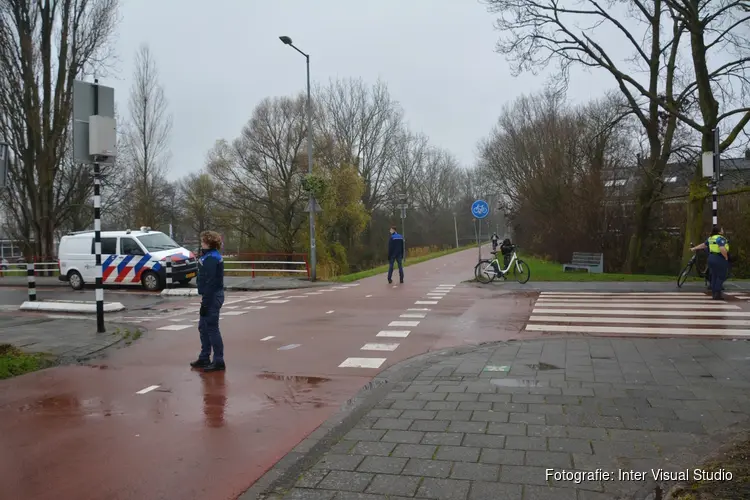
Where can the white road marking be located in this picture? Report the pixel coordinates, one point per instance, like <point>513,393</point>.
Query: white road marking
<point>254,301</point>
<point>449,286</point>
<point>403,323</point>
<point>413,315</point>
<point>401,334</point>
<point>230,307</point>
<point>625,294</point>
<point>627,300</point>
<point>233,313</point>
<point>351,284</point>
<point>297,297</point>
<point>253,308</point>
<point>639,329</point>
<point>368,296</point>
<point>313,293</point>
<point>419,309</point>
<point>610,312</point>
<point>379,347</point>
<point>267,338</point>
<point>362,363</point>
<point>288,347</point>
<point>642,321</point>
<point>636,305</point>
<point>329,312</point>
<point>233,301</point>
<point>147,389</point>
<point>426,302</point>
<point>175,327</point>
<point>284,301</point>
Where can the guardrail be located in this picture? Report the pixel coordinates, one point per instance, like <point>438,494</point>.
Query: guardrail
<point>40,268</point>
<point>254,263</point>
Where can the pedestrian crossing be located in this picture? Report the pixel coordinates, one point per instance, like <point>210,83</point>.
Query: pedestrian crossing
<point>640,313</point>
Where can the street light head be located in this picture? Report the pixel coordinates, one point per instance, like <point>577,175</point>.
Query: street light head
<point>286,40</point>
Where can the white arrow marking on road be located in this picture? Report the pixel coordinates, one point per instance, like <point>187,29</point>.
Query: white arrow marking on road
<point>147,389</point>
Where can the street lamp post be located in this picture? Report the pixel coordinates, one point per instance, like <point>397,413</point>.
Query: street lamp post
<point>311,205</point>
<point>403,206</point>
<point>455,228</point>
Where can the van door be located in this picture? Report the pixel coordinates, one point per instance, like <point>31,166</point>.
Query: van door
<point>133,258</point>
<point>109,260</point>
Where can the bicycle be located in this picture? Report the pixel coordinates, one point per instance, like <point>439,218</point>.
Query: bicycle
<point>682,277</point>
<point>487,270</point>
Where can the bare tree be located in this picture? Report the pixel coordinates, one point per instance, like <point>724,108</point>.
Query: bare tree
<point>147,138</point>
<point>366,124</point>
<point>262,170</point>
<point>409,157</point>
<point>565,32</point>
<point>44,46</point>
<point>200,202</point>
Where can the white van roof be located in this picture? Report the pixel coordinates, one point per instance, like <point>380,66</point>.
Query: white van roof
<point>112,234</point>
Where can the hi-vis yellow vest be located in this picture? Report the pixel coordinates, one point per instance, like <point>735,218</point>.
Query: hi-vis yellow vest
<point>713,245</point>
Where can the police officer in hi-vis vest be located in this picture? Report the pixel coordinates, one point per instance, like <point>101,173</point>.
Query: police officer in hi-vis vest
<point>718,259</point>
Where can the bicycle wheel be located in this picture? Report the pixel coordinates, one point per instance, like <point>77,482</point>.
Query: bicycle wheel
<point>682,277</point>
<point>522,272</point>
<point>483,272</point>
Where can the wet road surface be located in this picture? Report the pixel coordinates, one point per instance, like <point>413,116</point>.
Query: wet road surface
<point>142,424</point>
<point>84,432</point>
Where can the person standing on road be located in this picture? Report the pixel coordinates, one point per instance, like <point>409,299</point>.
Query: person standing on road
<point>718,260</point>
<point>495,239</point>
<point>211,290</point>
<point>395,254</point>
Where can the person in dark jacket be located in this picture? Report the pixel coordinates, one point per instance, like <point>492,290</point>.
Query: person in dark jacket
<point>211,290</point>
<point>395,254</point>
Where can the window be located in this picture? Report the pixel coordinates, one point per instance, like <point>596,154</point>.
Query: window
<point>109,246</point>
<point>616,182</point>
<point>128,246</point>
<point>156,242</point>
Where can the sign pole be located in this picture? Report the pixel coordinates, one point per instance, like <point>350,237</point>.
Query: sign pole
<point>98,229</point>
<point>480,210</point>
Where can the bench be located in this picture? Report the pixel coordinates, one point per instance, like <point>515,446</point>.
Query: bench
<point>592,262</point>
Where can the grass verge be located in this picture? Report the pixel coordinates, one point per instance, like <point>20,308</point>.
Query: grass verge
<point>346,278</point>
<point>542,270</point>
<point>736,461</point>
<point>14,362</point>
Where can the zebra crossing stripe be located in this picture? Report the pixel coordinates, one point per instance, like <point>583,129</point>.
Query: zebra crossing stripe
<point>643,321</point>
<point>681,313</point>
<point>729,332</point>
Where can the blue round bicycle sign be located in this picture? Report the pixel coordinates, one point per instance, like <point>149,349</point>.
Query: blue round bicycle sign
<point>480,209</point>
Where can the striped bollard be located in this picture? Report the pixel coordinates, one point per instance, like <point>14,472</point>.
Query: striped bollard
<point>169,272</point>
<point>32,281</point>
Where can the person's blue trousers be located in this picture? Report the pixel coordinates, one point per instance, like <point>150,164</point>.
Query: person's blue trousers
<point>208,327</point>
<point>398,260</point>
<point>719,267</point>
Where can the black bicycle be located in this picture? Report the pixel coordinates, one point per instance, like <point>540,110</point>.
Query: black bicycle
<point>702,273</point>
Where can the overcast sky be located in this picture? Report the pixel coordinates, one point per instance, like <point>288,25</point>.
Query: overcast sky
<point>217,60</point>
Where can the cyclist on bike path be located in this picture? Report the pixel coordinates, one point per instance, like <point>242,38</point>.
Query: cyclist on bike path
<point>718,259</point>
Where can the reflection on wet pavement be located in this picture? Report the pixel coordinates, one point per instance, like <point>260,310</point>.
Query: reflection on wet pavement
<point>214,398</point>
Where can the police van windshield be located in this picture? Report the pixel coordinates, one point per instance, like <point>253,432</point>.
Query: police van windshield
<point>157,241</point>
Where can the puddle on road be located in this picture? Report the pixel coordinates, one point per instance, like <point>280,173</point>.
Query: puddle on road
<point>544,366</point>
<point>70,405</point>
<point>300,379</point>
<point>518,382</point>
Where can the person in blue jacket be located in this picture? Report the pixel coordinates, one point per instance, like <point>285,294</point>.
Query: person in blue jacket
<point>211,290</point>
<point>395,254</point>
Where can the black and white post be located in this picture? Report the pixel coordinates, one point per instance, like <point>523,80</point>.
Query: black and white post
<point>404,198</point>
<point>32,281</point>
<point>169,272</point>
<point>716,178</point>
<point>98,230</point>
<point>95,142</point>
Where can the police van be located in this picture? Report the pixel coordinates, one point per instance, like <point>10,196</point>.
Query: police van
<point>128,258</point>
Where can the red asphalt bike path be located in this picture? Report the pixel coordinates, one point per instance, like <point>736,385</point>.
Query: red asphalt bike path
<point>83,431</point>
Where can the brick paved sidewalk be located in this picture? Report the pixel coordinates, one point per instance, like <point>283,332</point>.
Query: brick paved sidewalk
<point>489,423</point>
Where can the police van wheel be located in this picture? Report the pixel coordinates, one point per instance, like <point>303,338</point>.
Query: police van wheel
<point>151,281</point>
<point>75,280</point>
